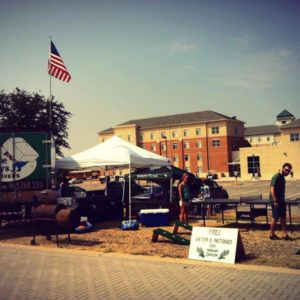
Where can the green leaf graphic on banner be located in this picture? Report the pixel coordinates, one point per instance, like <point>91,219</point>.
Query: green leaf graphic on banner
<point>223,254</point>
<point>200,252</point>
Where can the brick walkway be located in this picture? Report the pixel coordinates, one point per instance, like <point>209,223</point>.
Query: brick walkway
<point>39,273</point>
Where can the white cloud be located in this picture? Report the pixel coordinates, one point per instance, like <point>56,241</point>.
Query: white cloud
<point>260,70</point>
<point>179,47</point>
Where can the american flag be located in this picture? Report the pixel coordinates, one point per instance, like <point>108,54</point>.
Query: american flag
<point>56,66</point>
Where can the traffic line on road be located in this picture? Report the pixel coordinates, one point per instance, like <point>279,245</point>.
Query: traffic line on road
<point>292,196</point>
<point>239,193</point>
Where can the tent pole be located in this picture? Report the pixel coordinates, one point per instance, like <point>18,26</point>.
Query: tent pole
<point>171,186</point>
<point>105,193</point>
<point>123,199</point>
<point>129,191</point>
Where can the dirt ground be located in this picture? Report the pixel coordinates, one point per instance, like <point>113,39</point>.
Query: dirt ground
<point>107,237</point>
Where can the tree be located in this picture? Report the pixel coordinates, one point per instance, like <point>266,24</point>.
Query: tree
<point>24,110</point>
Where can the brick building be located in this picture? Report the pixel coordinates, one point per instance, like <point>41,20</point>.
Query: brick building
<point>197,141</point>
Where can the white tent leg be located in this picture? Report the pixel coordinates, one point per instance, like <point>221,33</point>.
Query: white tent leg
<point>123,199</point>
<point>129,190</point>
<point>105,193</point>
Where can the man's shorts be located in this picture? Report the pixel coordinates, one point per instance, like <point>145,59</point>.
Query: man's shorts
<point>186,203</point>
<point>278,211</point>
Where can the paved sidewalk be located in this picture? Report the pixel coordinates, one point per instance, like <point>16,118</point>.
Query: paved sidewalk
<point>42,273</point>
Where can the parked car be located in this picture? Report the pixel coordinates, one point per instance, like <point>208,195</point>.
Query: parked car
<point>78,192</point>
<point>75,181</point>
<point>155,192</point>
<point>216,191</point>
<point>212,175</point>
<point>153,197</point>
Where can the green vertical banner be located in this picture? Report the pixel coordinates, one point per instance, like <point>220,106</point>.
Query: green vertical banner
<point>24,156</point>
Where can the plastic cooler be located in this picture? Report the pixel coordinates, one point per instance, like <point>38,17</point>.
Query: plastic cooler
<point>154,217</point>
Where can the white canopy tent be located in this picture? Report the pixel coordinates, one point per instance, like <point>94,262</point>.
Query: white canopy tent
<point>115,152</point>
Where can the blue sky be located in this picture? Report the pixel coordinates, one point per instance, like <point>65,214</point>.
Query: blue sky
<point>136,59</point>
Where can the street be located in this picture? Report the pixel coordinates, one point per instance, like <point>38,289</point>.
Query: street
<point>256,187</point>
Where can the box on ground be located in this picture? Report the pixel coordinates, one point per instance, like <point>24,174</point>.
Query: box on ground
<point>154,217</point>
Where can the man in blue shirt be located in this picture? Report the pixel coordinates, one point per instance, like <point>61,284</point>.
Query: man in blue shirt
<point>277,200</point>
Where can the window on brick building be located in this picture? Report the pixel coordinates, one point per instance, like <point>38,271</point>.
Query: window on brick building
<point>199,156</point>
<point>186,145</point>
<point>198,131</point>
<point>185,132</point>
<point>199,169</point>
<point>163,135</point>
<point>174,134</point>
<point>216,143</point>
<point>253,164</point>
<point>187,157</point>
<point>215,130</point>
<point>142,137</point>
<point>294,137</point>
<point>152,136</point>
<point>129,138</point>
<point>175,146</point>
<point>199,144</point>
<point>164,147</point>
<point>175,158</point>
<point>153,147</point>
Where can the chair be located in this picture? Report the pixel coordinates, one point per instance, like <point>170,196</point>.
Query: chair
<point>247,209</point>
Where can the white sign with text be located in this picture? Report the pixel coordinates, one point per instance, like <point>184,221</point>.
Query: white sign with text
<point>214,244</point>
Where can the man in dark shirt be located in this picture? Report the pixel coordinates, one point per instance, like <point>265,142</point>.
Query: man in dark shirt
<point>277,200</point>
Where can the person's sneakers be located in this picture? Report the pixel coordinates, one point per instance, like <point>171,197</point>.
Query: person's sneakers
<point>288,238</point>
<point>274,237</point>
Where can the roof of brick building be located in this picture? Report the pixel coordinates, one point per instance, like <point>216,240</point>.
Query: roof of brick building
<point>285,114</point>
<point>178,119</point>
<point>261,130</point>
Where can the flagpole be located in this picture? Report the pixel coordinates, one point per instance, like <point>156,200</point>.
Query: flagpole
<point>50,103</point>
<point>50,122</point>
<point>56,68</point>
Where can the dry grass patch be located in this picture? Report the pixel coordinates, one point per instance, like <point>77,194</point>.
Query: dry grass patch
<point>107,237</point>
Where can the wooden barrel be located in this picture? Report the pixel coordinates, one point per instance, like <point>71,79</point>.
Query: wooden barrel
<point>68,218</point>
